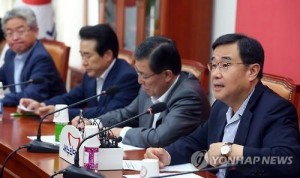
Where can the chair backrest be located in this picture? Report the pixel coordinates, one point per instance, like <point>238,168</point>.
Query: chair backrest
<point>199,70</point>
<point>60,54</point>
<point>283,86</point>
<point>127,56</point>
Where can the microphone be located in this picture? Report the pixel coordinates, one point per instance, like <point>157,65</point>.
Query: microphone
<point>231,166</point>
<point>74,171</point>
<point>37,146</point>
<point>33,81</point>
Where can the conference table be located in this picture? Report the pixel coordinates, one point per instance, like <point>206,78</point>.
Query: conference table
<point>13,134</point>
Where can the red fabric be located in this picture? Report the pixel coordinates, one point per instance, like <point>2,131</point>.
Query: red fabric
<point>275,23</point>
<point>37,2</point>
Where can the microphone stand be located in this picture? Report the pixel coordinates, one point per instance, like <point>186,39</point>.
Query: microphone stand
<point>75,171</point>
<point>38,146</point>
<point>34,81</point>
<point>201,170</point>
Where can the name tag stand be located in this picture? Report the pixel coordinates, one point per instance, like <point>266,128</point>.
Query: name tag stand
<point>70,137</point>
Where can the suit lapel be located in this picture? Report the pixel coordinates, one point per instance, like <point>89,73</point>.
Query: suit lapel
<point>147,119</point>
<point>90,82</point>
<point>27,67</point>
<point>181,78</point>
<point>243,129</point>
<point>220,124</point>
<point>108,82</point>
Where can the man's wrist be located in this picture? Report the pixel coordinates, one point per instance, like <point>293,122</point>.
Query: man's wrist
<point>124,131</point>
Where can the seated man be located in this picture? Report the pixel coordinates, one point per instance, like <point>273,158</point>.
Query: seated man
<point>99,50</point>
<point>158,65</point>
<point>27,59</point>
<point>2,41</point>
<point>248,123</point>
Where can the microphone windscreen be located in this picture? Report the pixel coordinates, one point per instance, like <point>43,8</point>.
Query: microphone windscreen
<point>112,90</point>
<point>158,107</point>
<point>37,80</point>
<point>119,139</point>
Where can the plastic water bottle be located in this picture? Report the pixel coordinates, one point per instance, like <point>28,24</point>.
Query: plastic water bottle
<point>1,103</point>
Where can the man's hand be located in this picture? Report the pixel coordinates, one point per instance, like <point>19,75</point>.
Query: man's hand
<point>213,155</point>
<point>80,123</point>
<point>42,111</point>
<point>161,154</point>
<point>116,131</point>
<point>30,105</point>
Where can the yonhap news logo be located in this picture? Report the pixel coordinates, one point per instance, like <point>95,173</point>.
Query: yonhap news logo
<point>198,160</point>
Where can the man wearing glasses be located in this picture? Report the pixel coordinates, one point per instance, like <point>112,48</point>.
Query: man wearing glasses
<point>158,64</point>
<point>249,124</point>
<point>27,59</point>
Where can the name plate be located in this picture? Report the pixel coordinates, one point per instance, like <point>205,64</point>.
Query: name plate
<point>70,137</point>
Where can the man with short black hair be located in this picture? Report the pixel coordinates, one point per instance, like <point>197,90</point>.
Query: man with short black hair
<point>99,50</point>
<point>158,65</point>
<point>248,123</point>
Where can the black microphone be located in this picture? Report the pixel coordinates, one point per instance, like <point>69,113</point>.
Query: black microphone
<point>33,81</point>
<point>37,146</point>
<point>115,141</point>
<point>231,166</point>
<point>74,171</point>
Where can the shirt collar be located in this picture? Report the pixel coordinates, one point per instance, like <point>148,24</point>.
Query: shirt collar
<point>239,112</point>
<point>23,56</point>
<point>105,73</point>
<point>165,95</point>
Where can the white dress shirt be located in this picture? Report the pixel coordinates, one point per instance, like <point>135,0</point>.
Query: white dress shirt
<point>100,80</point>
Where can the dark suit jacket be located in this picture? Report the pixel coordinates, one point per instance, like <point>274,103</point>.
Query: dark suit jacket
<point>188,107</point>
<point>39,64</point>
<point>268,127</point>
<point>121,75</point>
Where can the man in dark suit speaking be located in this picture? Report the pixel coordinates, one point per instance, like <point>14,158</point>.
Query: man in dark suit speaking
<point>158,64</point>
<point>249,124</point>
<point>99,50</point>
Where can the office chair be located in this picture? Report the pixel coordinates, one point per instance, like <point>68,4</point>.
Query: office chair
<point>60,54</point>
<point>283,86</point>
<point>199,70</point>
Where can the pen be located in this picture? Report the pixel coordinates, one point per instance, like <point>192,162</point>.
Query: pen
<point>16,114</point>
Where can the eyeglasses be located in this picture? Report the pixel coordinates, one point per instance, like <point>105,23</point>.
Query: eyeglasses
<point>20,32</point>
<point>143,76</point>
<point>223,66</point>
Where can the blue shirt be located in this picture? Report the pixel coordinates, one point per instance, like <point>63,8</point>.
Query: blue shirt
<point>19,62</point>
<point>232,126</point>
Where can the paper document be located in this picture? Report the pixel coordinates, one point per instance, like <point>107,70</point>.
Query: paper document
<point>129,147</point>
<point>23,108</point>
<point>164,174</point>
<point>45,138</point>
<point>136,166</point>
<point>180,167</point>
<point>132,165</point>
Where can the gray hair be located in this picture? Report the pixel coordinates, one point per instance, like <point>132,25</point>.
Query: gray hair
<point>23,12</point>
